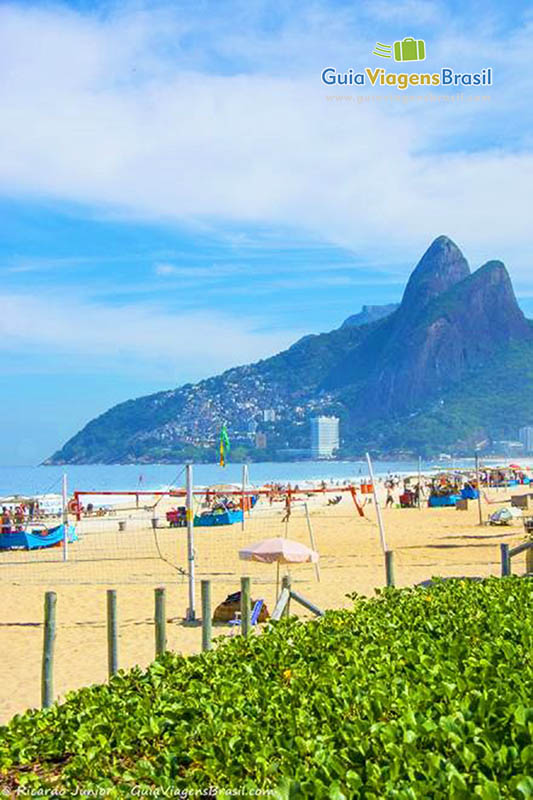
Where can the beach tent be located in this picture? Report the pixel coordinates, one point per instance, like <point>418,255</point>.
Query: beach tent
<point>505,516</point>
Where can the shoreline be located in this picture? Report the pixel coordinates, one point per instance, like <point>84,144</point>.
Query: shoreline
<point>40,480</point>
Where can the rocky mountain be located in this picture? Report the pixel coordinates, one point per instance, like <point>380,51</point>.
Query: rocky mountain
<point>417,377</point>
<point>369,314</point>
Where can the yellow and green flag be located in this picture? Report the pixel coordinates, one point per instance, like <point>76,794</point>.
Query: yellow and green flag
<point>224,446</point>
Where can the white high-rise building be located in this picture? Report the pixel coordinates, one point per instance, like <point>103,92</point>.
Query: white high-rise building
<point>526,437</point>
<point>324,436</point>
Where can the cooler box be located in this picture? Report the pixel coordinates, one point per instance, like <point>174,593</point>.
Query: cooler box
<point>443,501</point>
<point>222,518</point>
<point>469,493</point>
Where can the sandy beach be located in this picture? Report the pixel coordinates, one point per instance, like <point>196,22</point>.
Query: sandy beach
<point>425,542</point>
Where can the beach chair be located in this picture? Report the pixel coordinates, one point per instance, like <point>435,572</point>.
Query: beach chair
<point>256,610</point>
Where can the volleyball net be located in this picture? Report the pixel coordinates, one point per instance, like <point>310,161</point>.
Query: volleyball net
<point>142,536</point>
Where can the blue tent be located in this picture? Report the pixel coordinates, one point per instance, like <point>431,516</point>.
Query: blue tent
<point>36,539</point>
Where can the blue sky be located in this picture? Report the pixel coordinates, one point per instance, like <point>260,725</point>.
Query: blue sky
<point>178,194</point>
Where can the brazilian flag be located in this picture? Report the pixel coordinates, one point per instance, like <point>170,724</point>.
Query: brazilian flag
<point>224,446</point>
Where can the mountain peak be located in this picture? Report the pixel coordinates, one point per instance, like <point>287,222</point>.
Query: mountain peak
<point>491,300</point>
<point>441,267</point>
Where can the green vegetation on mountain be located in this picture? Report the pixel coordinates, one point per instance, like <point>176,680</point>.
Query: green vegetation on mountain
<point>417,693</point>
<point>497,397</point>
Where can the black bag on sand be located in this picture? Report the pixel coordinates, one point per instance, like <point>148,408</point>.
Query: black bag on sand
<point>232,604</point>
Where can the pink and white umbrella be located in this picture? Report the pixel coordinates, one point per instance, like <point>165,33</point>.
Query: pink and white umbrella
<point>279,551</point>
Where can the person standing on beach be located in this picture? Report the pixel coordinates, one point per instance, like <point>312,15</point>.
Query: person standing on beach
<point>6,520</point>
<point>19,518</point>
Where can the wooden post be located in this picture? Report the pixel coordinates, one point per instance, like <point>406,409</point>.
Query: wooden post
<point>282,600</point>
<point>306,603</point>
<point>286,584</point>
<point>47,679</point>
<point>246,615</point>
<point>206,615</point>
<point>505,559</point>
<point>160,621</point>
<point>529,561</point>
<point>376,503</point>
<point>389,567</point>
<point>112,633</point>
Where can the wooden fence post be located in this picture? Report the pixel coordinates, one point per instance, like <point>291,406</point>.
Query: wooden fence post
<point>529,561</point>
<point>506,561</point>
<point>112,633</point>
<point>160,621</point>
<point>389,567</point>
<point>246,615</point>
<point>206,615</point>
<point>47,680</point>
<point>286,584</point>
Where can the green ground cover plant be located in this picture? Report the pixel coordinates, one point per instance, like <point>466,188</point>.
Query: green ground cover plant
<point>415,693</point>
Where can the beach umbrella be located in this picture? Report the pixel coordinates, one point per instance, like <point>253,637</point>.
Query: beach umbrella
<point>279,551</point>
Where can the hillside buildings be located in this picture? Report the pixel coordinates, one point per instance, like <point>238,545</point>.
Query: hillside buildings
<point>324,436</point>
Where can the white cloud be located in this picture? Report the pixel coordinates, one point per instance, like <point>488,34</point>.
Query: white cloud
<point>106,112</point>
<point>132,338</point>
<point>165,269</point>
<point>412,12</point>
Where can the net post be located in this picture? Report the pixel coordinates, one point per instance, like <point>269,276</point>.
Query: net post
<point>65,517</point>
<point>243,494</point>
<point>191,611</point>
<point>376,503</point>
<point>312,539</point>
<point>478,481</point>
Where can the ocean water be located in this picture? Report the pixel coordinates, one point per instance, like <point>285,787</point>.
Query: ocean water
<point>101,477</point>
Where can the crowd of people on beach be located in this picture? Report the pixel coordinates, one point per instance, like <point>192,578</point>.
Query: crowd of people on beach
<point>14,519</point>
<point>401,490</point>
